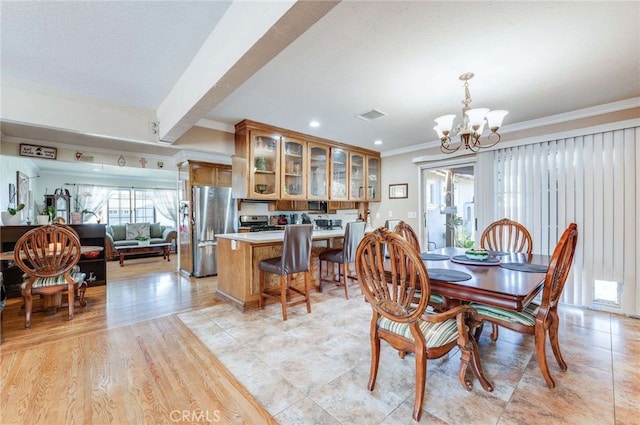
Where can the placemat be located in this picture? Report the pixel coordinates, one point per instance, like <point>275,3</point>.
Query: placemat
<point>433,257</point>
<point>526,267</point>
<point>489,261</point>
<point>448,275</point>
<point>498,253</point>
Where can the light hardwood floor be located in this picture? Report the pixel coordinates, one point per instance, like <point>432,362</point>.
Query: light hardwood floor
<point>154,347</point>
<point>124,359</point>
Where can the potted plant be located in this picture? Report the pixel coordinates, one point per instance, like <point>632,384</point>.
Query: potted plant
<point>85,212</point>
<point>144,241</point>
<point>42,216</point>
<point>11,216</point>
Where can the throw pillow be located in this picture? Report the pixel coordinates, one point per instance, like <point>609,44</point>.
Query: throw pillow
<point>119,232</point>
<point>137,230</point>
<point>109,230</point>
<point>155,230</point>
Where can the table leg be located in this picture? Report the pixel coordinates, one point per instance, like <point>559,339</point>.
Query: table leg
<point>121,258</point>
<point>167,252</point>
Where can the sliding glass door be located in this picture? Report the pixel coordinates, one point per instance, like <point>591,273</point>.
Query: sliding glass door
<point>448,207</point>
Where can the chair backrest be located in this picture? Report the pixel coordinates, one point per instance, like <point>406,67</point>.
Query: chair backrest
<point>559,266</point>
<point>352,237</point>
<point>506,235</point>
<point>47,251</point>
<point>391,292</point>
<point>390,224</point>
<point>407,232</point>
<point>296,248</point>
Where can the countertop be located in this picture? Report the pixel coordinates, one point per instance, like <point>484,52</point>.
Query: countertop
<point>277,235</point>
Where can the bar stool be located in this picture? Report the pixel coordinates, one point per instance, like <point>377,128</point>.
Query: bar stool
<point>296,252</point>
<point>345,255</point>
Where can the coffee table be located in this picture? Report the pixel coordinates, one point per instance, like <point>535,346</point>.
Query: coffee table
<point>165,248</point>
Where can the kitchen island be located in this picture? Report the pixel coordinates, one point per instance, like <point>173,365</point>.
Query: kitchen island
<point>238,258</point>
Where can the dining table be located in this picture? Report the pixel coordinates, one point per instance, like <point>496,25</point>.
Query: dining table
<point>504,279</point>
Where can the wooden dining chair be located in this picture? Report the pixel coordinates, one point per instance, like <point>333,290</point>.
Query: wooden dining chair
<point>47,255</point>
<point>390,286</point>
<point>343,256</point>
<point>295,258</point>
<point>540,319</point>
<point>406,231</point>
<point>506,235</point>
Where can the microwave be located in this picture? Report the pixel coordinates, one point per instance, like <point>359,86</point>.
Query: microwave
<point>317,206</point>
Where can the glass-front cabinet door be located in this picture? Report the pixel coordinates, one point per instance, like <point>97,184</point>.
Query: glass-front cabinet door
<point>294,154</point>
<point>373,178</point>
<point>339,171</point>
<point>264,166</point>
<point>357,175</point>
<point>318,172</point>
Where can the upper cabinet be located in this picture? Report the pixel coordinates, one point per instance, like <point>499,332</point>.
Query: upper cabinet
<point>373,178</point>
<point>318,172</point>
<point>357,177</point>
<point>276,164</point>
<point>293,170</point>
<point>339,174</point>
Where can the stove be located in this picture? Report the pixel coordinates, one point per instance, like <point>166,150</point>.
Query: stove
<point>257,223</point>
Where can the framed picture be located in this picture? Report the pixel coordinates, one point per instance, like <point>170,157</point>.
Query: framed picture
<point>397,191</point>
<point>22,195</point>
<point>38,151</point>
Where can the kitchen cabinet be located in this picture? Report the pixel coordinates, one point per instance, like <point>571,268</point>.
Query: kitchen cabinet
<point>357,176</point>
<point>318,171</point>
<point>339,171</point>
<point>294,161</point>
<point>272,163</point>
<point>373,178</point>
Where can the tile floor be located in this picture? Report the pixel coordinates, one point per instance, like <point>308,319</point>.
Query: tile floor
<point>314,368</point>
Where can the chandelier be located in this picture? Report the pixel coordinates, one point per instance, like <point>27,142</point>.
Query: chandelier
<point>472,125</point>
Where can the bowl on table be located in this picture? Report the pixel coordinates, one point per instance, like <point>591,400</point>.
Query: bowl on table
<point>477,254</point>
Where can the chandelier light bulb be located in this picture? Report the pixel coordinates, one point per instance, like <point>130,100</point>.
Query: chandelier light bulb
<point>494,119</point>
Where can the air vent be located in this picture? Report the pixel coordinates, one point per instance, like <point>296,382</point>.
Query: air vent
<point>371,115</point>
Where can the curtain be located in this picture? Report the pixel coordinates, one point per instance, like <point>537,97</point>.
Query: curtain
<point>165,202</point>
<point>92,198</point>
<point>590,180</point>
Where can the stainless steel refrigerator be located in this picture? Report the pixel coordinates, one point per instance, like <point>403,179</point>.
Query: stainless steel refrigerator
<point>214,212</point>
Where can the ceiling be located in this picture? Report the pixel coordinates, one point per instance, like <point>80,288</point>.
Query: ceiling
<point>403,58</point>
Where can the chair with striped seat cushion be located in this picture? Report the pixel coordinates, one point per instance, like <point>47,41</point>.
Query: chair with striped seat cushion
<point>505,235</point>
<point>79,280</point>
<point>391,286</point>
<point>436,301</point>
<point>47,253</point>
<point>541,319</point>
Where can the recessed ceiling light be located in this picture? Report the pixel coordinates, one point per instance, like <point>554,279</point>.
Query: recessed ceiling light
<point>314,124</point>
<point>377,142</point>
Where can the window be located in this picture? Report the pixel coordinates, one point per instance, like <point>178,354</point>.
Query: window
<point>133,206</point>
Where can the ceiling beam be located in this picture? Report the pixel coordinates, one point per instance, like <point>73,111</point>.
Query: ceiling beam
<point>248,37</point>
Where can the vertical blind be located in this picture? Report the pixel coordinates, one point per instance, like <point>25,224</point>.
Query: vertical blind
<point>590,180</point>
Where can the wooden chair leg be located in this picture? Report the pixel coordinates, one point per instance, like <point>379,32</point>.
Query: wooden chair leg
<point>540,342</point>
<point>421,377</point>
<point>28,304</point>
<point>261,299</point>
<point>284,283</point>
<point>343,266</point>
<point>494,333</point>
<point>375,361</point>
<point>307,290</point>
<point>320,275</point>
<point>70,299</point>
<point>555,341</point>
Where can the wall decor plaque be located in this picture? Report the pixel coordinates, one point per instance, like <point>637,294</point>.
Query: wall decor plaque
<point>38,151</point>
